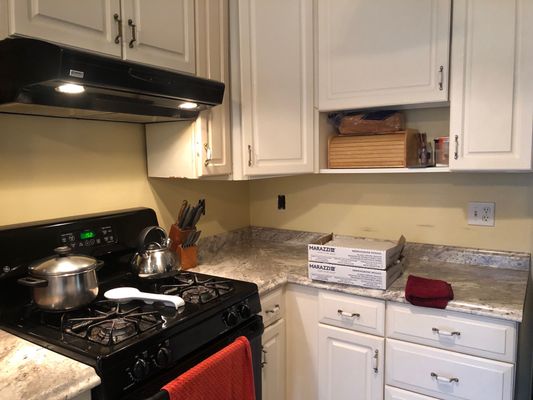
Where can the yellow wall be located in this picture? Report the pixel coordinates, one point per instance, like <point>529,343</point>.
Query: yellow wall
<point>428,208</point>
<point>51,168</point>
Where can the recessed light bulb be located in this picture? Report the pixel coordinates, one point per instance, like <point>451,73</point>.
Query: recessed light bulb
<point>70,88</point>
<point>188,106</point>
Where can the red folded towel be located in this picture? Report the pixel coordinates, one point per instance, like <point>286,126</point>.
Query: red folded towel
<point>226,375</point>
<point>428,292</point>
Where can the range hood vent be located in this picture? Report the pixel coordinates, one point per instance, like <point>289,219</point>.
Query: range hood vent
<point>33,75</point>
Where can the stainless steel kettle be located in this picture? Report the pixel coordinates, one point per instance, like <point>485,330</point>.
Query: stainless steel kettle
<point>154,259</point>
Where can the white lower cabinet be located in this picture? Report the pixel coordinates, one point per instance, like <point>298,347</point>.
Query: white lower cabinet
<point>350,365</point>
<point>445,374</point>
<point>273,362</point>
<point>392,393</point>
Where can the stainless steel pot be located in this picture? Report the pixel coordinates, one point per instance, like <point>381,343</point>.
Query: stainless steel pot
<point>63,282</point>
<point>154,259</point>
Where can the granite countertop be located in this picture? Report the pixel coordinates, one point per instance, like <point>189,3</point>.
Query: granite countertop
<point>487,283</point>
<point>29,371</point>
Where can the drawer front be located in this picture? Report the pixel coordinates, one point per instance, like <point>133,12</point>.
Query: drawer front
<point>453,331</point>
<point>446,375</point>
<point>272,307</point>
<point>392,393</point>
<point>352,312</point>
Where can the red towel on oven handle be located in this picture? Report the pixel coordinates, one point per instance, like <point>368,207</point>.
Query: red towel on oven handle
<point>428,292</point>
<point>225,375</point>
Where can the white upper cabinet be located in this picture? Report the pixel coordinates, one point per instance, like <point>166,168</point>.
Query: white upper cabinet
<point>374,53</point>
<point>274,86</point>
<point>160,33</point>
<point>491,92</point>
<point>212,54</point>
<point>156,33</point>
<point>90,25</point>
<point>201,149</point>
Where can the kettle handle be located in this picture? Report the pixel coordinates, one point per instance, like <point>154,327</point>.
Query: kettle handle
<point>146,231</point>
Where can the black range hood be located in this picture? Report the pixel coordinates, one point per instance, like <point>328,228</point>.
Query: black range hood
<point>31,71</point>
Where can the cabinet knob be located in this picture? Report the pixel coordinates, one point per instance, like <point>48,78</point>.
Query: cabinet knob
<point>348,314</point>
<point>442,332</point>
<point>117,19</point>
<point>444,379</point>
<point>133,33</point>
<point>441,81</point>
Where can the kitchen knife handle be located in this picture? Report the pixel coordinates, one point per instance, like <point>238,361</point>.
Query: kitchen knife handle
<point>117,19</point>
<point>133,33</point>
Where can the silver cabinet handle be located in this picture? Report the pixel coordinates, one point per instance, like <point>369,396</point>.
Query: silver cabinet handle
<point>249,155</point>
<point>264,361</point>
<point>441,82</point>
<point>442,332</point>
<point>375,358</point>
<point>456,152</point>
<point>348,314</point>
<point>444,379</point>
<point>208,154</point>
<point>133,33</point>
<point>117,19</point>
<point>274,310</point>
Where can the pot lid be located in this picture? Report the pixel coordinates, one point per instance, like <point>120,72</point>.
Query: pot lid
<point>63,263</point>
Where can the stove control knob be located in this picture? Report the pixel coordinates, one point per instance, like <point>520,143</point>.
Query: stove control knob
<point>231,318</point>
<point>163,357</point>
<point>244,311</point>
<point>140,369</point>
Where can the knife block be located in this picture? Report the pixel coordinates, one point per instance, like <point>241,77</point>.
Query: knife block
<point>178,237</point>
<point>188,256</point>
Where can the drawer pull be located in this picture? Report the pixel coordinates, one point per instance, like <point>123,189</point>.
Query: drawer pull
<point>444,379</point>
<point>264,360</point>
<point>375,361</point>
<point>348,314</point>
<point>273,311</point>
<point>442,332</point>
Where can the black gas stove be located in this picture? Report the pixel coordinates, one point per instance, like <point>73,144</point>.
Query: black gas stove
<point>135,347</point>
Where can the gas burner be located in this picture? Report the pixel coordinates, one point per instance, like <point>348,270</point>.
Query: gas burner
<point>194,290</point>
<point>108,323</point>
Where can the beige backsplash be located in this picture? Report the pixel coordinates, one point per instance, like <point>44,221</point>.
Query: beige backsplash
<point>53,167</point>
<point>57,167</point>
<point>426,208</point>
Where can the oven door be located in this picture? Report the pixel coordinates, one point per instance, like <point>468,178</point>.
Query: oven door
<point>252,329</point>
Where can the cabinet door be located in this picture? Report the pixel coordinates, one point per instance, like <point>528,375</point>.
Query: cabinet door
<point>163,33</point>
<point>212,62</point>
<point>382,53</point>
<point>85,24</point>
<point>276,84</point>
<point>350,365</point>
<point>491,108</point>
<point>274,361</point>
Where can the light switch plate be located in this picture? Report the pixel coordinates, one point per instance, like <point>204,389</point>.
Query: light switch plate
<point>481,214</point>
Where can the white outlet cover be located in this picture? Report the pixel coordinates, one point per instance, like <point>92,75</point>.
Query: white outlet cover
<point>481,214</point>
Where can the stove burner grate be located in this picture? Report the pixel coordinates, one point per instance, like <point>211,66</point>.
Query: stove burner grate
<point>109,325</point>
<point>193,290</point>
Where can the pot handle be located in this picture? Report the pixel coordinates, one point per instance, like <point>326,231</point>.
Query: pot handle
<point>32,282</point>
<point>146,231</point>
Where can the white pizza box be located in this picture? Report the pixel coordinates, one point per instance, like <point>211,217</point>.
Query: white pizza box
<point>355,276</point>
<point>356,252</point>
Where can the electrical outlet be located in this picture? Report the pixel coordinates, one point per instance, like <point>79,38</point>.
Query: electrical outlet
<point>281,202</point>
<point>481,213</point>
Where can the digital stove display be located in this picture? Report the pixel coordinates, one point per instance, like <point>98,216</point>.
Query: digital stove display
<point>89,237</point>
